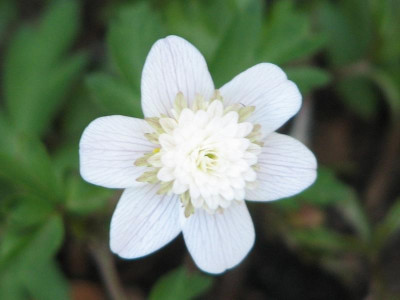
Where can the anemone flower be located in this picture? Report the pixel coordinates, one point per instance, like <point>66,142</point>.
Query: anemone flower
<point>197,156</point>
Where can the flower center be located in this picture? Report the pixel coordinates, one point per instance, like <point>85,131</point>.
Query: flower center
<point>207,160</point>
<point>207,154</point>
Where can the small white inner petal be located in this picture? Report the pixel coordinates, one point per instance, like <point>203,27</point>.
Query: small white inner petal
<point>206,153</point>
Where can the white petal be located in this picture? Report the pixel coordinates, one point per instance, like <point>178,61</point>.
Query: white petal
<point>166,174</point>
<point>173,65</point>
<point>200,119</point>
<point>244,129</point>
<point>197,202</point>
<point>186,117</point>
<point>109,148</point>
<point>250,175</point>
<point>168,124</point>
<point>166,141</point>
<point>178,187</point>
<point>286,167</point>
<point>215,109</point>
<point>143,222</point>
<point>219,241</point>
<point>266,87</point>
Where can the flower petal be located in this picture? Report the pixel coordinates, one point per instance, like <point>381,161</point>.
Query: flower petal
<point>266,87</point>
<point>219,241</point>
<point>108,149</point>
<point>143,221</point>
<point>173,65</point>
<point>286,167</point>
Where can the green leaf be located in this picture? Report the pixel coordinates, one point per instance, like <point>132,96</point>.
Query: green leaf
<point>199,22</point>
<point>354,212</point>
<point>36,76</point>
<point>130,38</point>
<point>388,81</point>
<point>287,35</point>
<point>113,96</point>
<point>388,24</point>
<point>84,198</point>
<point>30,211</point>
<point>36,115</point>
<point>308,78</point>
<point>388,227</point>
<point>179,284</point>
<point>10,286</point>
<point>26,265</point>
<point>60,25</point>
<point>236,51</point>
<point>326,190</point>
<point>44,244</point>
<point>76,116</point>
<point>45,282</point>
<point>7,201</point>
<point>325,240</point>
<point>8,10</point>
<point>58,84</point>
<point>348,30</point>
<point>66,159</point>
<point>26,164</point>
<point>358,94</point>
<point>28,249</point>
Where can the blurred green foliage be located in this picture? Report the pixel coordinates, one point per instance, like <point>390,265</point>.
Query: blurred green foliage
<point>37,71</point>
<point>363,48</point>
<point>49,94</point>
<point>180,284</point>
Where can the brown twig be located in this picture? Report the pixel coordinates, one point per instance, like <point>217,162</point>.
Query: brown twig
<point>381,178</point>
<point>109,274</point>
<point>303,122</point>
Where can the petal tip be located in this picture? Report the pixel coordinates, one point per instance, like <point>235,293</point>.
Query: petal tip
<point>219,242</point>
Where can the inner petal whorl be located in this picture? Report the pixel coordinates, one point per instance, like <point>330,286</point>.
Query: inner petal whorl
<point>206,154</point>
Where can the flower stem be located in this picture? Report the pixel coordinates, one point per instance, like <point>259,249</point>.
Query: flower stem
<point>381,178</point>
<point>106,266</point>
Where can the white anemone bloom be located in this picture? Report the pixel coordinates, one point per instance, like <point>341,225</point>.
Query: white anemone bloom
<point>199,153</point>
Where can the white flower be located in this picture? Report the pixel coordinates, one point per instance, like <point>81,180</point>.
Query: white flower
<point>196,157</point>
